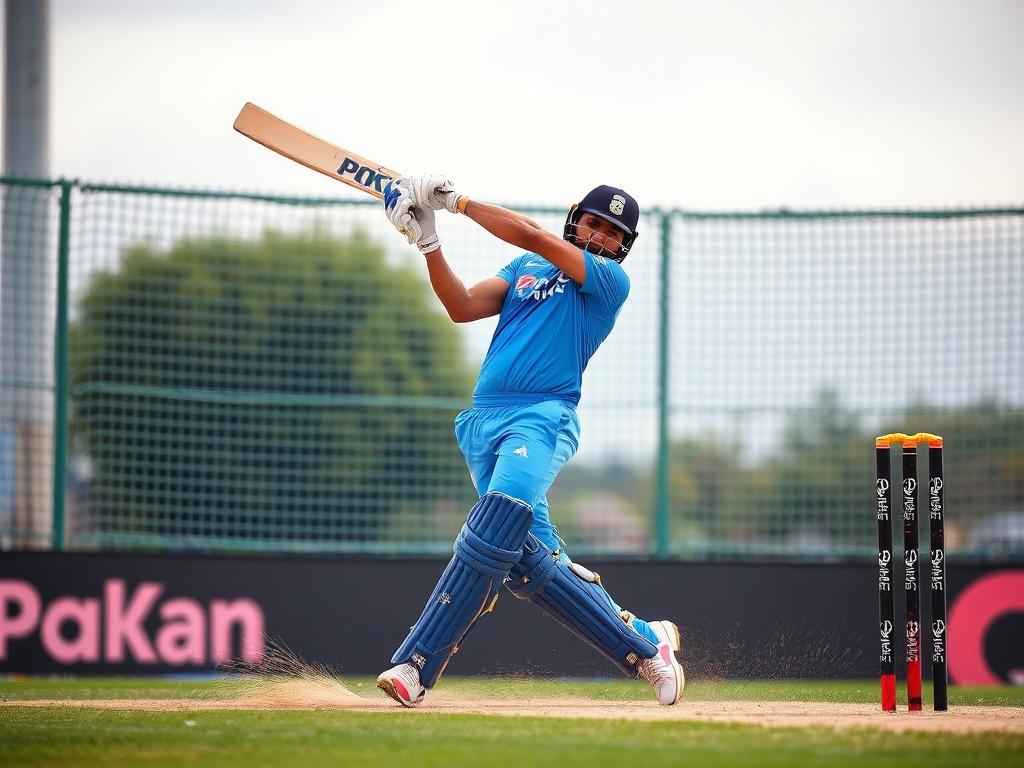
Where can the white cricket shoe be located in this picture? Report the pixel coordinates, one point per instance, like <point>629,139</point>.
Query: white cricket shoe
<point>663,670</point>
<point>402,683</point>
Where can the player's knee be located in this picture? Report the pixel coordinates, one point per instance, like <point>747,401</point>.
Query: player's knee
<point>534,570</point>
<point>491,540</point>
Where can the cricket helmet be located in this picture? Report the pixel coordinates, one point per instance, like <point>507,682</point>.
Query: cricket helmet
<point>611,204</point>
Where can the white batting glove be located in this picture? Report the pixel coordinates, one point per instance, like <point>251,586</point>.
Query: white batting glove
<point>398,207</point>
<point>435,192</point>
<point>422,190</point>
<point>414,222</point>
<point>427,242</point>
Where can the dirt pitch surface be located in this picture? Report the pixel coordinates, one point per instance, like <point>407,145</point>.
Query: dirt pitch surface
<point>329,695</point>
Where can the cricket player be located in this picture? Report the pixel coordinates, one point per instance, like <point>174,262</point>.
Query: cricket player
<point>556,303</point>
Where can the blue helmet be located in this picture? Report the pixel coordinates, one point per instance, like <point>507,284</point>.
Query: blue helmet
<point>611,204</point>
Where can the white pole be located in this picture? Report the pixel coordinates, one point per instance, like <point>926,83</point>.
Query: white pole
<point>27,276</point>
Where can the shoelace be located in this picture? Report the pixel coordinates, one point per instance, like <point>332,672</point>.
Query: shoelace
<point>409,676</point>
<point>654,671</point>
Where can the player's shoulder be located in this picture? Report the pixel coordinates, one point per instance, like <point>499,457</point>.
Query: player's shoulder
<point>513,267</point>
<point>525,260</point>
<point>603,261</point>
<point>532,259</point>
<point>610,266</point>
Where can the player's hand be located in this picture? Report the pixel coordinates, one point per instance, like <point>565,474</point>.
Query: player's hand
<point>435,192</point>
<point>415,223</point>
<point>427,242</point>
<point>398,207</point>
<point>424,191</point>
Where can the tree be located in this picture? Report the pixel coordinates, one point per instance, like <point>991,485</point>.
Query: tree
<point>812,495</point>
<point>295,388</point>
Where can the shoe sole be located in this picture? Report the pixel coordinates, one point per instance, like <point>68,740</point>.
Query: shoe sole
<point>389,688</point>
<point>674,642</point>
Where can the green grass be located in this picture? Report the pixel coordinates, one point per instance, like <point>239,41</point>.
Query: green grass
<point>69,737</point>
<point>618,689</point>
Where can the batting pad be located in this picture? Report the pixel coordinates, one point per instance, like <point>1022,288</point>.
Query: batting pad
<point>488,545</point>
<point>579,604</point>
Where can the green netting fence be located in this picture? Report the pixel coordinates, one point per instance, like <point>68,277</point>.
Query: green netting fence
<point>204,371</point>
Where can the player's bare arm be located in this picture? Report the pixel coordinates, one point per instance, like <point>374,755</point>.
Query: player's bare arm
<point>436,192</point>
<point>519,230</point>
<point>586,227</point>
<point>464,305</point>
<point>414,218</point>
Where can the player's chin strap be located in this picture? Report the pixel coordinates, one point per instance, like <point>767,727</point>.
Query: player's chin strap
<point>574,597</point>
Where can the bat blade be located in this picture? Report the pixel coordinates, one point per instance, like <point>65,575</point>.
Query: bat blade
<point>313,152</point>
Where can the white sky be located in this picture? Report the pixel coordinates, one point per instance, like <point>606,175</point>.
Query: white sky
<point>701,105</point>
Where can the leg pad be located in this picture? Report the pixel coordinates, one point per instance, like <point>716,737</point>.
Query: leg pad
<point>487,546</point>
<point>576,600</point>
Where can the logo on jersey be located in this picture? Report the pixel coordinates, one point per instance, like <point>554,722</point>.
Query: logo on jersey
<point>521,451</point>
<point>540,288</point>
<point>524,285</point>
<point>617,205</point>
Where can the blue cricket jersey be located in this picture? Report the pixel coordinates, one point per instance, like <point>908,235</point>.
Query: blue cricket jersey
<point>548,329</point>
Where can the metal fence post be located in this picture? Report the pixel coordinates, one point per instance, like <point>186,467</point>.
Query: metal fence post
<point>60,363</point>
<point>662,510</point>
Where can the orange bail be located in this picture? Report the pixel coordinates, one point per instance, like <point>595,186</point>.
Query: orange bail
<point>885,441</point>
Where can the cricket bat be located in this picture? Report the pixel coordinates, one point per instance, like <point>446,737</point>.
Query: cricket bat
<point>313,152</point>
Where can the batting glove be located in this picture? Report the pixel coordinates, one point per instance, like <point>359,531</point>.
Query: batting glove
<point>427,242</point>
<point>416,223</point>
<point>398,207</point>
<point>435,192</point>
